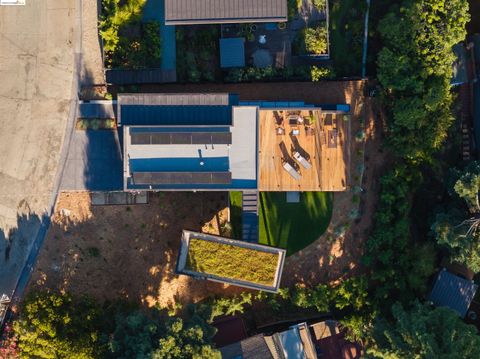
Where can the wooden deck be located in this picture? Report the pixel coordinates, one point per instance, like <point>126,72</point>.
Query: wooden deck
<point>323,140</point>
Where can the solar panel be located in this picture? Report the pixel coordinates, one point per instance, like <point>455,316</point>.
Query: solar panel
<point>192,178</point>
<point>201,138</point>
<point>222,138</point>
<point>158,138</point>
<point>140,138</point>
<point>181,138</point>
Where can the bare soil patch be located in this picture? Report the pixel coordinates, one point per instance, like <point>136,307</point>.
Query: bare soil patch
<point>130,252</point>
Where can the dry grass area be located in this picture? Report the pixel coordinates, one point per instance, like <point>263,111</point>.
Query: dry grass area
<point>112,252</point>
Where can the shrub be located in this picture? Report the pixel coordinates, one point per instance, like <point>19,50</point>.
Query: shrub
<point>316,40</point>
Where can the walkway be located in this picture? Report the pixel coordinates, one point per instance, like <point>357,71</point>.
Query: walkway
<point>155,10</point>
<point>250,216</point>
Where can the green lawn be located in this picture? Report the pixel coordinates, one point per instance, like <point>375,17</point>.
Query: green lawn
<point>293,226</point>
<point>234,262</point>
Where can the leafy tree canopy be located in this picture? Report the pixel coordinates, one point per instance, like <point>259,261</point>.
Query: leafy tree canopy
<point>57,326</point>
<point>458,229</point>
<point>423,332</point>
<point>185,341</point>
<point>415,68</point>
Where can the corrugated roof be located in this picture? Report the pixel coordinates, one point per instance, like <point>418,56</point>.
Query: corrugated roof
<point>453,292</point>
<point>251,348</point>
<point>175,109</point>
<point>232,52</point>
<point>178,12</point>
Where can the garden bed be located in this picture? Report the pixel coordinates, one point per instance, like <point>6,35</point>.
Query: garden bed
<point>95,124</point>
<point>129,43</point>
<point>230,261</point>
<point>197,53</point>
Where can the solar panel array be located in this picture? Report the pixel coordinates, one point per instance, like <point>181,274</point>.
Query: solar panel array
<point>181,138</point>
<point>192,178</point>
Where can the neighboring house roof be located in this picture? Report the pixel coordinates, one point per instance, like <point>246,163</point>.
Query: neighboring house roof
<point>230,330</point>
<point>251,348</point>
<point>460,72</point>
<point>232,52</point>
<point>453,292</point>
<point>175,109</point>
<point>185,12</point>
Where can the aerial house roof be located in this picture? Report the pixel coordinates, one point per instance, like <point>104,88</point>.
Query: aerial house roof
<point>189,12</point>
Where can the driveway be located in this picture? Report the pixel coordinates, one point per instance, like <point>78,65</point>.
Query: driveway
<point>36,79</point>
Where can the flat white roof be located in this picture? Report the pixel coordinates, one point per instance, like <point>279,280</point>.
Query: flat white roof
<point>243,152</point>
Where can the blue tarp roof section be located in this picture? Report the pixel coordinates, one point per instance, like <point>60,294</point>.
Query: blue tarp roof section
<point>232,52</point>
<point>210,164</point>
<point>453,292</point>
<point>143,115</point>
<point>460,75</point>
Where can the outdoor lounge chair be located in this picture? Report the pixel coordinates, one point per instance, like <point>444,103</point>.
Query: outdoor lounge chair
<point>307,165</point>
<point>291,171</point>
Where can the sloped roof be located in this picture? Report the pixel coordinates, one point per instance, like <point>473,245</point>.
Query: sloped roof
<point>185,12</point>
<point>250,348</point>
<point>175,109</point>
<point>453,292</point>
<point>460,74</point>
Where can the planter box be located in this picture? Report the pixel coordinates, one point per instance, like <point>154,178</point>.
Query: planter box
<point>206,256</point>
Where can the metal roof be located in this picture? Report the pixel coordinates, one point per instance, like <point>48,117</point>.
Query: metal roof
<point>232,52</point>
<point>175,109</point>
<point>453,292</point>
<point>184,12</point>
<point>460,73</point>
<point>251,348</point>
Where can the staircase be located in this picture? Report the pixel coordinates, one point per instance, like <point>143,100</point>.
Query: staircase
<point>250,216</point>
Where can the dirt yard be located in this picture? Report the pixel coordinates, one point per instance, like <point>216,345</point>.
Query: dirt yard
<point>112,252</point>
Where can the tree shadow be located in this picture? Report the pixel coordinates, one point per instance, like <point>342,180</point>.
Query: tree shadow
<point>19,247</point>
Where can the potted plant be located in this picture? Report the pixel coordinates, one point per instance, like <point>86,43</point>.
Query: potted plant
<point>282,25</point>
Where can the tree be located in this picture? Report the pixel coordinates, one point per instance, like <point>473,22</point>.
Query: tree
<point>135,336</point>
<point>351,293</point>
<point>57,326</point>
<point>415,68</point>
<point>423,332</point>
<point>458,228</point>
<point>185,341</point>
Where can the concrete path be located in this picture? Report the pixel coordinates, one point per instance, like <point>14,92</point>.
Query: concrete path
<point>36,77</point>
<point>91,72</point>
<point>94,162</point>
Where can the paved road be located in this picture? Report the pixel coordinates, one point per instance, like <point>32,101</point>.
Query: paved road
<point>36,98</point>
